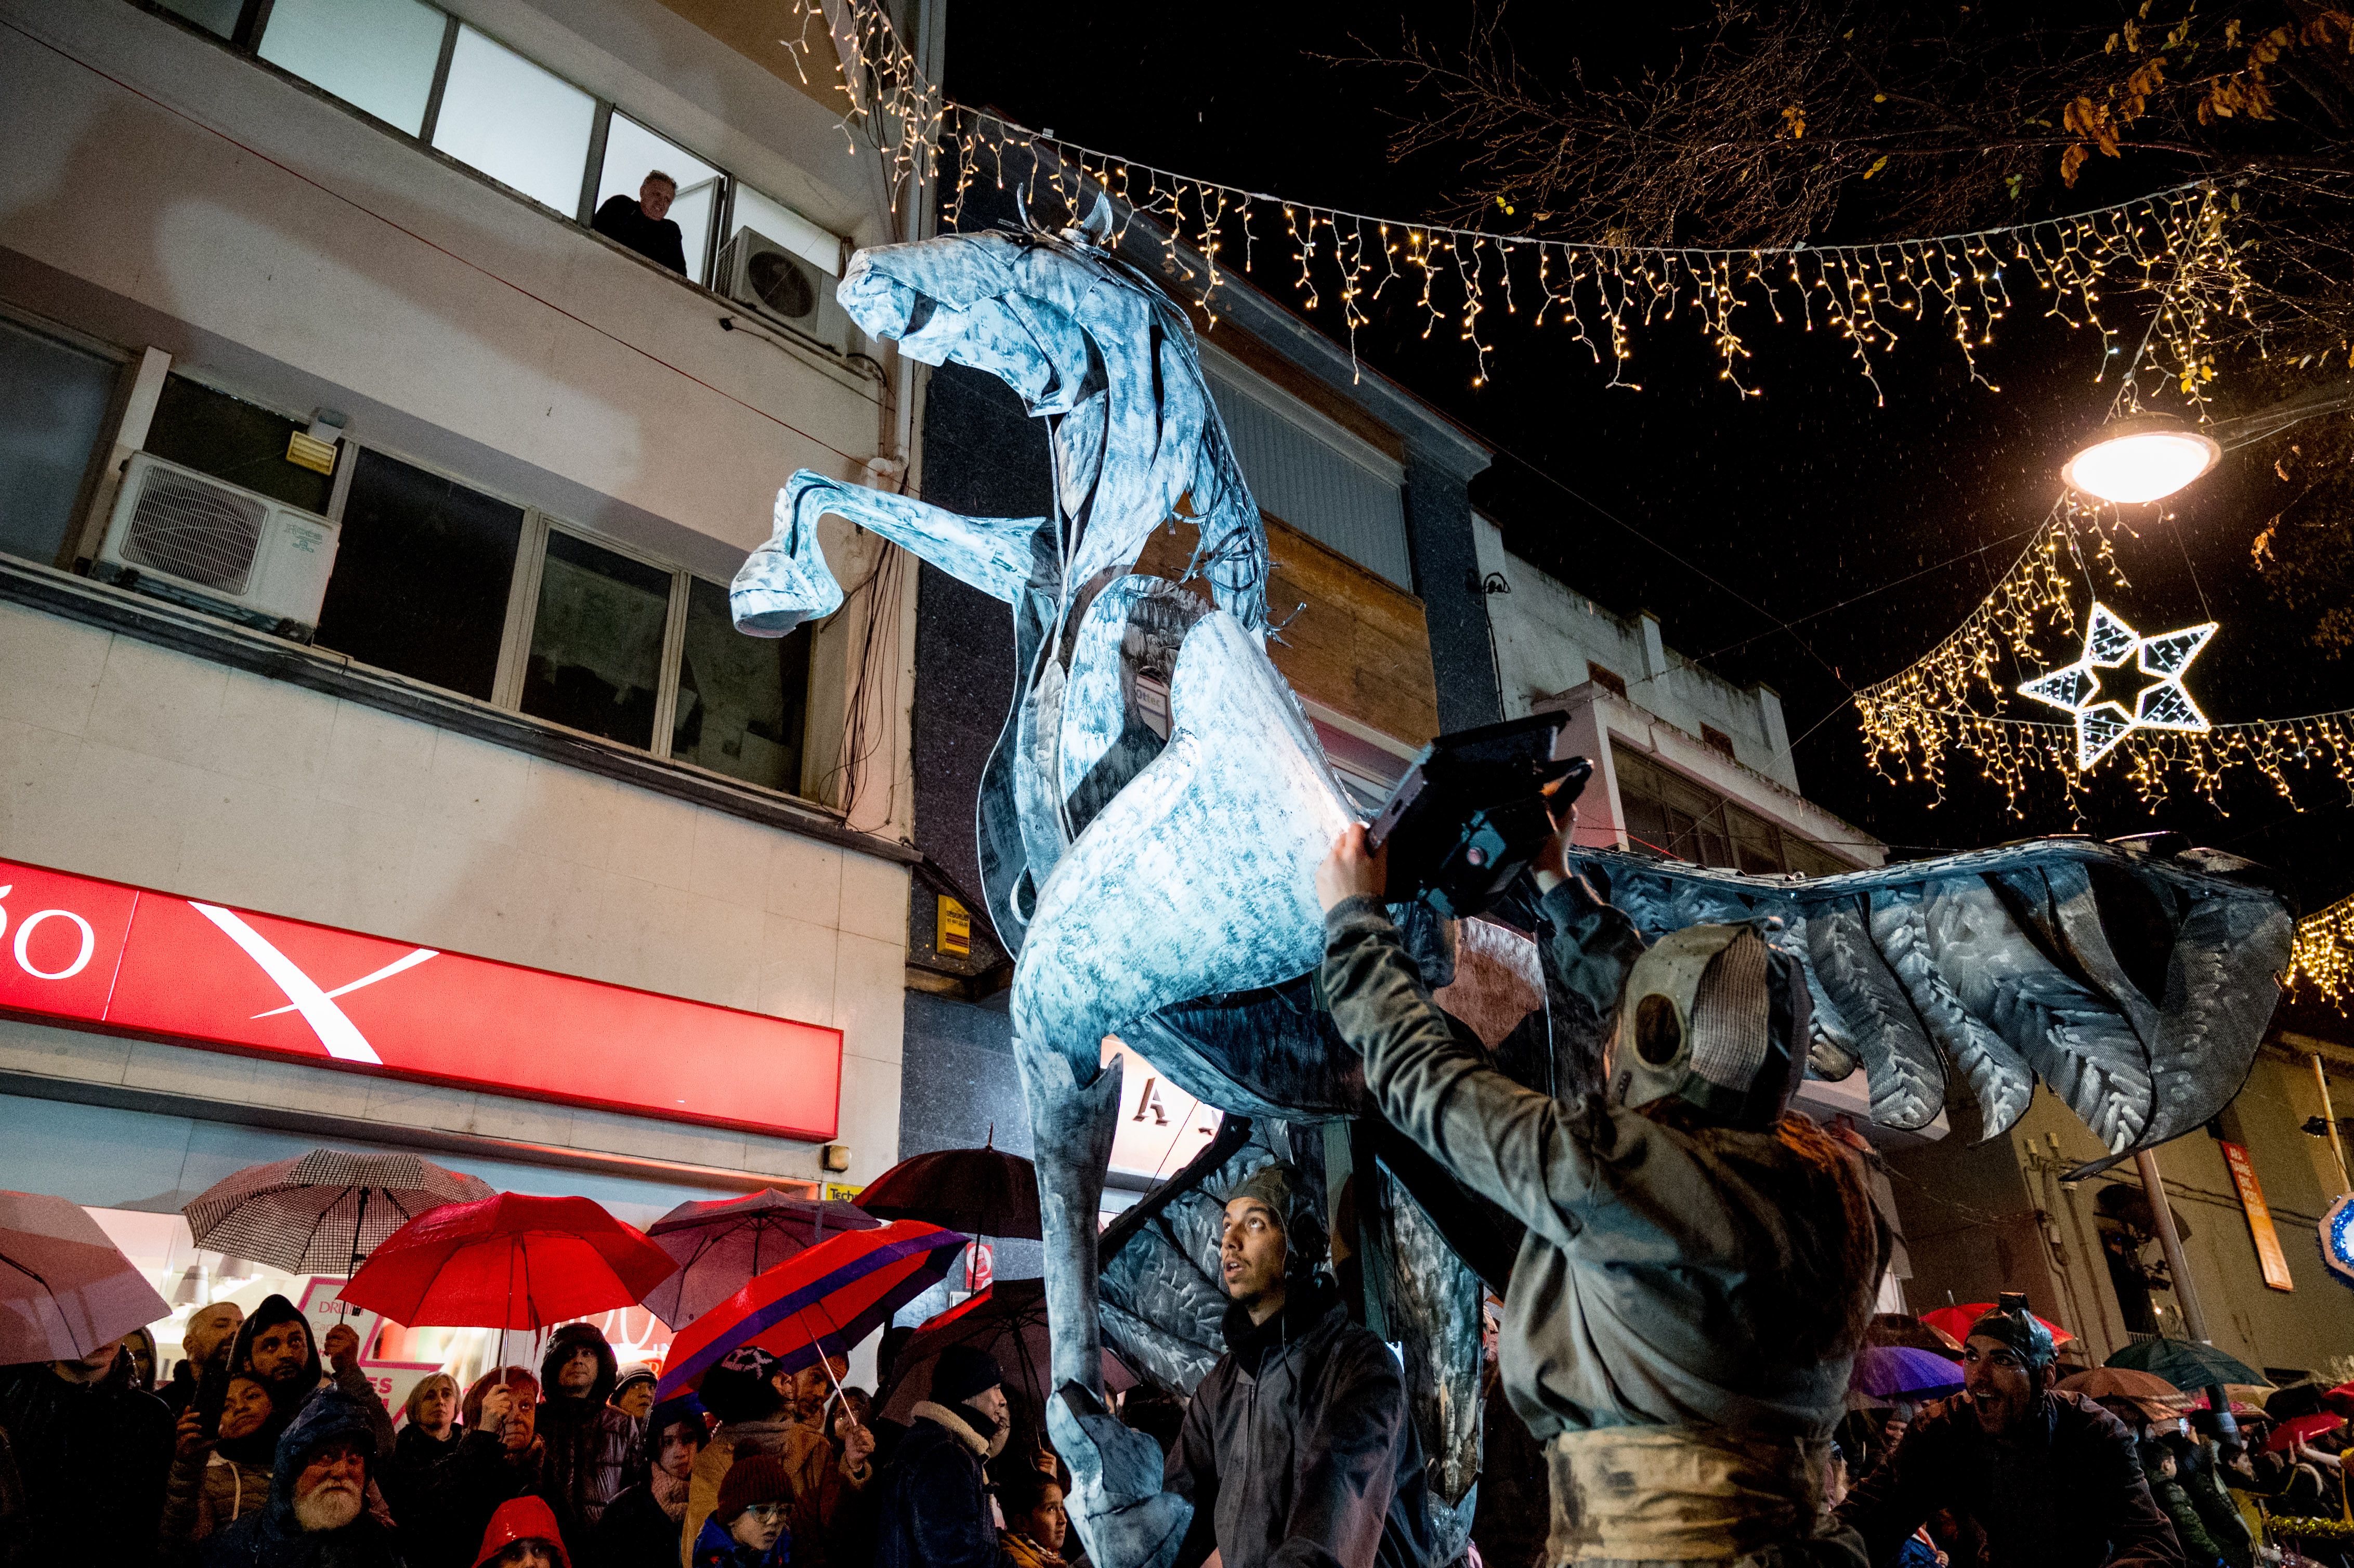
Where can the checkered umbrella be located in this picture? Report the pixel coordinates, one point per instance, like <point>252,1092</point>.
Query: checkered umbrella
<point>324,1212</point>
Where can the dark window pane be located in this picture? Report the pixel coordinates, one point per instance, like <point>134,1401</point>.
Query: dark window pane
<point>597,642</point>
<point>741,700</point>
<point>53,402</point>
<point>229,439</point>
<point>421,577</point>
<point>215,17</point>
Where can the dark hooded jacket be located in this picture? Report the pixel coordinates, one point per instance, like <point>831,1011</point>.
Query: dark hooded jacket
<point>272,1538</point>
<point>934,1505</point>
<point>593,1451</point>
<point>93,1458</point>
<point>1297,1450</point>
<point>287,1395</point>
<point>2068,1492</point>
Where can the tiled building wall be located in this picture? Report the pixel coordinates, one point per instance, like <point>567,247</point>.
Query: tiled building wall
<point>124,760</point>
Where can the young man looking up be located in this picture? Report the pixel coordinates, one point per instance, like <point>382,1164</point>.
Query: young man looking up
<point>1297,1449</point>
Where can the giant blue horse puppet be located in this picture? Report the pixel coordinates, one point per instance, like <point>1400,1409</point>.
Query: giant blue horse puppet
<point>1163,889</point>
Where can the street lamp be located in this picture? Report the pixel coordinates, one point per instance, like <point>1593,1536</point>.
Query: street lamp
<point>2147,457</point>
<point>2141,458</point>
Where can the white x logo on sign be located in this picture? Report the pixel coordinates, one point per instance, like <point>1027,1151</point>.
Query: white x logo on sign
<point>337,1032</point>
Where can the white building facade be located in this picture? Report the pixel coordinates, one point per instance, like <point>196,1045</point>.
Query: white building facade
<point>511,722</point>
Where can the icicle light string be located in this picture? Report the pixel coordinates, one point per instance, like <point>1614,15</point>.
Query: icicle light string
<point>2322,956</point>
<point>1462,279</point>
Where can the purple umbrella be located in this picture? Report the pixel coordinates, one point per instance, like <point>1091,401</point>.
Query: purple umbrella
<point>722,1244</point>
<point>1890,1372</point>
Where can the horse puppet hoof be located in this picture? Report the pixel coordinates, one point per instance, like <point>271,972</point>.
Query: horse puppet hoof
<point>1122,1515</point>
<point>786,581</point>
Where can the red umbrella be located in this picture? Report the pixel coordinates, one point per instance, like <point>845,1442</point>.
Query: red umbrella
<point>825,1300</point>
<point>722,1243</point>
<point>2340,1399</point>
<point>508,1262</point>
<point>2301,1429</point>
<point>1957,1321</point>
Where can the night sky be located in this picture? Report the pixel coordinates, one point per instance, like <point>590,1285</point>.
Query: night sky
<point>1802,500</point>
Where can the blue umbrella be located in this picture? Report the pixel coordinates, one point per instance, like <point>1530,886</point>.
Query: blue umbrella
<point>1888,1372</point>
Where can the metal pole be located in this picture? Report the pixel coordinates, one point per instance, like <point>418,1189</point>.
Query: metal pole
<point>2329,1115</point>
<point>2186,1295</point>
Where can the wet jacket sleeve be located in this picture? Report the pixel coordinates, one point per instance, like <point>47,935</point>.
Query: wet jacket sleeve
<point>1192,1472</point>
<point>1348,1470</point>
<point>1520,1148</point>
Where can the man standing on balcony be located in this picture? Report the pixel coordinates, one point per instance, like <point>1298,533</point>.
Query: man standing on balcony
<point>643,223</point>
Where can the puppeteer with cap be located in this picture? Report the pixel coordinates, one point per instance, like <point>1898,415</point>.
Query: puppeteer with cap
<point>1699,1263</point>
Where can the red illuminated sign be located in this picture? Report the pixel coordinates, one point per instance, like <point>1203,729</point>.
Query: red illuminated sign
<point>145,963</point>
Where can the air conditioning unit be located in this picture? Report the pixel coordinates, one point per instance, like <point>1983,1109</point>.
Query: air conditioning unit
<point>786,288</point>
<point>196,540</point>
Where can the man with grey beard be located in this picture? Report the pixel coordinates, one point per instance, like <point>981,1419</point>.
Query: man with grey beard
<point>317,1514</point>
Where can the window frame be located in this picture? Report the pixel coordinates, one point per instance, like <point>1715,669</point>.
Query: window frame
<point>101,457</point>
<point>253,24</point>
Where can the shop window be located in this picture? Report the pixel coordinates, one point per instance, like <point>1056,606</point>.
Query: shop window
<point>375,54</point>
<point>633,152</point>
<point>53,405</point>
<point>1609,679</point>
<point>597,640</point>
<point>421,577</point>
<point>230,438</point>
<point>742,701</point>
<point>523,125</point>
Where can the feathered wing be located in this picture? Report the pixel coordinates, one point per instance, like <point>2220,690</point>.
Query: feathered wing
<point>2137,987</point>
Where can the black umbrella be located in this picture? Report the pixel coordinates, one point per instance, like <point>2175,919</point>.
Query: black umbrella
<point>981,1192</point>
<point>1009,1322</point>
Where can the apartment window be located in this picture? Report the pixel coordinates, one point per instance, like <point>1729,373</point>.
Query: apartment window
<point>1669,814</point>
<point>517,121</point>
<point>421,576</point>
<point>1321,479</point>
<point>231,439</point>
<point>596,660</point>
<point>742,701</point>
<point>53,404</point>
<point>631,153</point>
<point>1609,679</point>
<point>379,56</point>
<point>219,17</point>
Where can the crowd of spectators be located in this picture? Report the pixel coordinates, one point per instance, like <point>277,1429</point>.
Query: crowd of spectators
<point>264,1449</point>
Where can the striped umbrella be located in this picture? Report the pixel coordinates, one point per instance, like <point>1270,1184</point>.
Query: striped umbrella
<point>820,1302</point>
<point>324,1212</point>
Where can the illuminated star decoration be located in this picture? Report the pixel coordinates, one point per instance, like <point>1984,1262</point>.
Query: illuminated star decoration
<point>2337,1239</point>
<point>2104,720</point>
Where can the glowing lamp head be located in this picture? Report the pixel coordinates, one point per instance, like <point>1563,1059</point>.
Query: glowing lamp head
<point>2140,458</point>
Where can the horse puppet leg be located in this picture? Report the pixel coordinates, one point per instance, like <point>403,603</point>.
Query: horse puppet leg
<point>1116,1504</point>
<point>787,582</point>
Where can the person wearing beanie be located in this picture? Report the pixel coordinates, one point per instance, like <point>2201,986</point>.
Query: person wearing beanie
<point>935,1508</point>
<point>633,1395</point>
<point>594,1452</point>
<point>643,1526</point>
<point>2050,1478</point>
<point>1297,1446</point>
<point>748,1527</point>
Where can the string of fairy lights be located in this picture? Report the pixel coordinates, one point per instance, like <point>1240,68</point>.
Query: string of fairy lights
<point>2176,246</point>
<point>1464,281</point>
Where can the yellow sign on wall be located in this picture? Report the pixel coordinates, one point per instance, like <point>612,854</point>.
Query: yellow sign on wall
<point>840,1191</point>
<point>954,935</point>
<point>2260,1218</point>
